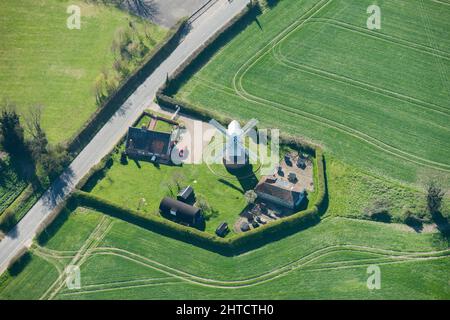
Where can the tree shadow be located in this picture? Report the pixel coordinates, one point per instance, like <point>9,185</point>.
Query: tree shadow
<point>272,3</point>
<point>18,266</point>
<point>97,176</point>
<point>442,224</point>
<point>229,184</point>
<point>415,223</point>
<point>147,9</point>
<point>59,189</point>
<point>56,225</point>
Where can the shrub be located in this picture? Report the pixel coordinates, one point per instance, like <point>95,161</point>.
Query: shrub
<point>208,211</point>
<point>379,211</point>
<point>435,195</point>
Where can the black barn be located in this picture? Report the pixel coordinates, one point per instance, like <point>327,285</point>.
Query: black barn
<point>180,211</point>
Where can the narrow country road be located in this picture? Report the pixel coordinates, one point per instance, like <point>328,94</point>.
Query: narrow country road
<point>105,140</point>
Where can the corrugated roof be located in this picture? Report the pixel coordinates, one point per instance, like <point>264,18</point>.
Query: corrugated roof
<point>279,190</point>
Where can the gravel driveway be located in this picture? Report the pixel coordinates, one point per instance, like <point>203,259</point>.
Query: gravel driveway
<point>168,12</point>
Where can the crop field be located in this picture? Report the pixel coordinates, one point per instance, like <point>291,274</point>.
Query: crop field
<point>42,62</point>
<point>379,99</point>
<point>119,260</point>
<point>11,184</point>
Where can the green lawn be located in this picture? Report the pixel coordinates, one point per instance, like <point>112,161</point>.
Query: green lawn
<point>375,99</point>
<point>43,62</point>
<point>129,184</point>
<point>328,260</point>
<point>161,126</point>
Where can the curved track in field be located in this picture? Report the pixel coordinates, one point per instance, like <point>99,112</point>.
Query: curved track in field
<point>307,262</point>
<point>269,48</point>
<point>283,60</point>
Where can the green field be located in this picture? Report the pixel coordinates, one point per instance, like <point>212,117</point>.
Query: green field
<point>118,260</point>
<point>43,62</point>
<point>375,99</point>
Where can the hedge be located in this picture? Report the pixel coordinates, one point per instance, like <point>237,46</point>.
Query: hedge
<point>110,106</point>
<point>153,223</point>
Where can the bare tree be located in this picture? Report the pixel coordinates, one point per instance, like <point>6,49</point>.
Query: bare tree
<point>39,143</point>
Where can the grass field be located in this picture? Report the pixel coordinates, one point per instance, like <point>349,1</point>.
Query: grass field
<point>43,62</point>
<point>118,260</point>
<point>376,99</point>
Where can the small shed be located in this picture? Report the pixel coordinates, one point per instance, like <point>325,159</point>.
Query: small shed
<point>222,229</point>
<point>245,227</point>
<point>301,163</point>
<point>287,159</point>
<point>292,177</point>
<point>186,195</point>
<point>180,211</point>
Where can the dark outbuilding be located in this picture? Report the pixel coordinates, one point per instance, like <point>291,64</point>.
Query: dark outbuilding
<point>180,211</point>
<point>222,229</point>
<point>186,195</point>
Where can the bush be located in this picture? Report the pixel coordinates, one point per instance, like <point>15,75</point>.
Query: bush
<point>379,211</point>
<point>435,195</point>
<point>208,211</point>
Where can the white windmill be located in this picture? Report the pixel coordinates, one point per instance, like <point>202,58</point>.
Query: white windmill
<point>234,153</point>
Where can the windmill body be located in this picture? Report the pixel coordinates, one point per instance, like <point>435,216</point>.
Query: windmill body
<point>235,154</point>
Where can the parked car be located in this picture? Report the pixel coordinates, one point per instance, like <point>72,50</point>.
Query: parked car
<point>272,215</point>
<point>255,224</point>
<point>260,220</point>
<point>245,226</point>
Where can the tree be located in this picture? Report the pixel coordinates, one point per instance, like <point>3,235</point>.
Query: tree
<point>435,195</point>
<point>11,130</point>
<point>54,160</point>
<point>250,196</point>
<point>39,143</point>
<point>207,210</point>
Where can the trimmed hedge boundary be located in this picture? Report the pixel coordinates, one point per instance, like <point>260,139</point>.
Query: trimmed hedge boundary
<point>128,85</point>
<point>230,246</point>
